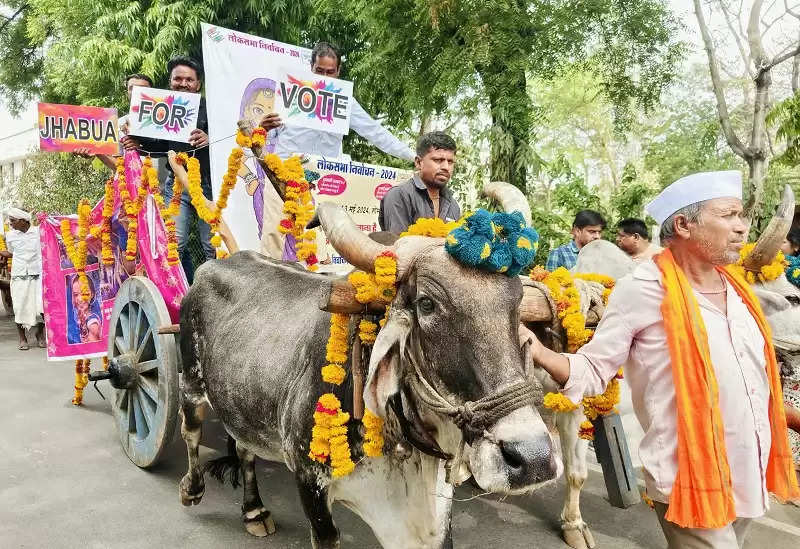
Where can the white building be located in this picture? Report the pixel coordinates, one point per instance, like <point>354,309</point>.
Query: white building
<point>19,139</point>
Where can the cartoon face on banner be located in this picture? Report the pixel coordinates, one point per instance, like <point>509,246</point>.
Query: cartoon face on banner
<point>313,101</point>
<point>163,114</point>
<point>64,128</point>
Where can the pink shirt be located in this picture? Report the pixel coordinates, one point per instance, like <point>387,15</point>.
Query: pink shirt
<point>632,333</point>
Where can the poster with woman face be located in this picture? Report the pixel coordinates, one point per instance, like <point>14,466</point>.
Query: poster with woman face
<point>77,325</point>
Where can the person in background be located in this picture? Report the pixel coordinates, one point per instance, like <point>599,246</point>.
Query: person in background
<point>186,75</point>
<point>633,238</point>
<point>22,243</point>
<point>791,244</point>
<point>326,61</point>
<point>131,81</point>
<point>701,367</point>
<point>588,226</point>
<point>426,193</point>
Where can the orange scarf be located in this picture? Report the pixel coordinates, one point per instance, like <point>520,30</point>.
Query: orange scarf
<point>702,496</point>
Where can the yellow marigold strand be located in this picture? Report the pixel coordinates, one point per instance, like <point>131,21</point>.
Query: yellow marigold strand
<point>373,437</point>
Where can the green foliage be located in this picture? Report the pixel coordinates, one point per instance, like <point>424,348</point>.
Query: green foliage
<point>424,57</point>
<point>55,182</point>
<point>692,143</point>
<point>786,117</point>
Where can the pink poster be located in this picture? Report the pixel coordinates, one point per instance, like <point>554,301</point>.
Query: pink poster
<point>79,329</point>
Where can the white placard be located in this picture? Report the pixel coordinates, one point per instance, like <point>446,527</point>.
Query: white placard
<point>313,101</point>
<point>163,114</point>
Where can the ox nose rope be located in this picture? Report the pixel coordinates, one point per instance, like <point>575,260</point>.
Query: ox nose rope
<point>473,418</point>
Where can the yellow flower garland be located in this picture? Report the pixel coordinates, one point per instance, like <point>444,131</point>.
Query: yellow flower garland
<point>771,271</point>
<point>105,228</point>
<point>81,379</point>
<point>373,438</point>
<point>432,227</point>
<point>329,433</point>
<point>298,208</point>
<point>560,283</point>
<point>131,209</point>
<point>77,252</point>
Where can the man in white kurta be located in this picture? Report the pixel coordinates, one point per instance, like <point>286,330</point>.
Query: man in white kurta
<point>24,248</point>
<point>704,230</point>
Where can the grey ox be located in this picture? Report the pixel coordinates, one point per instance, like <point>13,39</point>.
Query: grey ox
<point>447,373</point>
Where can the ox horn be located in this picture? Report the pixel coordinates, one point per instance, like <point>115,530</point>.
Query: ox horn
<point>355,246</point>
<point>770,240</point>
<point>509,197</point>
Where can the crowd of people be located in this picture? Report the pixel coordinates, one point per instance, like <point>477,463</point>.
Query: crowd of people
<point>697,349</point>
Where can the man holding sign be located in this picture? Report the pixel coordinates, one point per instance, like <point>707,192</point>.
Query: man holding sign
<point>325,61</point>
<point>185,75</point>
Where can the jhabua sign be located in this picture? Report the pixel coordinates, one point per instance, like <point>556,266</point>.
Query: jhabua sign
<point>65,128</point>
<point>163,114</point>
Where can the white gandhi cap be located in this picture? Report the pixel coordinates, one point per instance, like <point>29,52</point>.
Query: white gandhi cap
<point>695,188</point>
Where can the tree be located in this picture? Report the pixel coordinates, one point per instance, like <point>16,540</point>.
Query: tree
<point>749,31</point>
<point>55,182</point>
<point>421,59</point>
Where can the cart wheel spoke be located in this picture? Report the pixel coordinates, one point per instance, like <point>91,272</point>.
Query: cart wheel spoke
<point>137,327</point>
<point>150,387</point>
<point>145,343</point>
<point>131,414</point>
<point>148,366</point>
<point>141,430</point>
<point>148,408</point>
<point>133,309</point>
<point>119,346</point>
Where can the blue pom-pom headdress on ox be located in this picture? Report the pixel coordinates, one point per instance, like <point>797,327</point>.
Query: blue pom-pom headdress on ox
<point>793,270</point>
<point>495,242</point>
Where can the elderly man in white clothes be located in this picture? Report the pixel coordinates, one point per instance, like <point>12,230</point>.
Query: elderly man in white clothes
<point>22,243</point>
<point>699,359</point>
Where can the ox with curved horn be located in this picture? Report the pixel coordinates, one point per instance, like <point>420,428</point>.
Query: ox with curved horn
<point>346,238</point>
<point>509,197</point>
<point>770,240</point>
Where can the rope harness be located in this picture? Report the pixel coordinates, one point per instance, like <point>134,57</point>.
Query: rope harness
<point>473,418</point>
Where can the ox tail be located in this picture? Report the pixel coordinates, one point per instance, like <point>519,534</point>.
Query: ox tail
<point>228,465</point>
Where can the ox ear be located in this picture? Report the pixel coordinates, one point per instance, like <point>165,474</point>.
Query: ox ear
<point>771,302</point>
<point>383,376</point>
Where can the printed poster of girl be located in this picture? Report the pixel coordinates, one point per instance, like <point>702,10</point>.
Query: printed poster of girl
<point>257,101</point>
<point>84,320</point>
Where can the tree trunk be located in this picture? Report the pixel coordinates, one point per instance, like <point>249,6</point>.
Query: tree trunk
<point>511,124</point>
<point>757,157</point>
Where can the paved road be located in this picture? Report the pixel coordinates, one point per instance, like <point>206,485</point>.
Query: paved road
<point>65,483</point>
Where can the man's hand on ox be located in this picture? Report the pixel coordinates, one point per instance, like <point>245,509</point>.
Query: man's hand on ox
<point>554,363</point>
<point>271,121</point>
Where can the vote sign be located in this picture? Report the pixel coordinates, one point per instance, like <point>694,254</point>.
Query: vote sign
<point>163,114</point>
<point>313,101</point>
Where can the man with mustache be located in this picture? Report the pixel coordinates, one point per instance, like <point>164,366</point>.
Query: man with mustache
<point>699,360</point>
<point>426,194</point>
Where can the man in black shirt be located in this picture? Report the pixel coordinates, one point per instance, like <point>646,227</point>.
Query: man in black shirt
<point>426,194</point>
<point>185,74</point>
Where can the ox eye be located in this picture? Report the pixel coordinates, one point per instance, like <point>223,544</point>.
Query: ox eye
<point>793,299</point>
<point>426,305</point>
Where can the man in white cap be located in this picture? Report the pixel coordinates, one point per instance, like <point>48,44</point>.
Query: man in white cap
<point>23,245</point>
<point>702,371</point>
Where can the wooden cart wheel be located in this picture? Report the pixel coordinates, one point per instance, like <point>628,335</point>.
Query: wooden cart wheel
<point>146,408</point>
